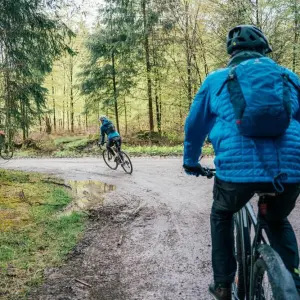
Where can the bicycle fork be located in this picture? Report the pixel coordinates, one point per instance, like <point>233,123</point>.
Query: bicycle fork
<point>259,226</point>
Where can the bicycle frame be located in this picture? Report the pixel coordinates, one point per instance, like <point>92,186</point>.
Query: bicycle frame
<point>247,218</point>
<point>255,249</point>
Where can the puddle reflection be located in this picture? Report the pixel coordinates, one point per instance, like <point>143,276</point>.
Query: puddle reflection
<point>88,194</point>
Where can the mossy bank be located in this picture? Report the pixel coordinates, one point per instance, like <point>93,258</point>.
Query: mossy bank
<point>34,234</point>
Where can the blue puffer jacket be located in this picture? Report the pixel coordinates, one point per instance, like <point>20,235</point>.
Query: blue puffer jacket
<point>237,158</point>
<point>105,129</point>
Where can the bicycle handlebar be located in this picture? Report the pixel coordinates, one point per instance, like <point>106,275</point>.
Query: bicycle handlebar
<point>210,173</point>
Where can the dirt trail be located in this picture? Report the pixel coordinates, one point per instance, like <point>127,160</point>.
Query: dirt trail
<point>149,239</point>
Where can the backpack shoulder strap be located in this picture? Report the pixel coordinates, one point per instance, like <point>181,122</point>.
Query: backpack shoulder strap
<point>231,76</point>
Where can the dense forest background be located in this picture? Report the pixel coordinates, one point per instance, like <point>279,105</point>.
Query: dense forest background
<point>64,63</point>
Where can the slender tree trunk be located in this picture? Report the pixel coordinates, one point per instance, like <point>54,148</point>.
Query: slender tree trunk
<point>23,123</point>
<point>7,94</point>
<point>148,66</point>
<point>86,116</point>
<point>27,123</point>
<point>71,95</point>
<point>156,83</point>
<point>79,122</point>
<point>257,13</point>
<point>53,101</point>
<point>296,34</point>
<point>206,69</point>
<point>180,107</point>
<point>188,55</point>
<point>157,104</point>
<point>40,123</point>
<point>64,99</point>
<point>68,116</point>
<point>126,121</point>
<point>115,90</point>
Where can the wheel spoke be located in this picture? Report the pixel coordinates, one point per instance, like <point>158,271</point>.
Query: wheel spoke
<point>126,163</point>
<point>109,159</point>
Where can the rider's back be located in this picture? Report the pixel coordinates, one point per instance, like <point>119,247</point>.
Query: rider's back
<point>239,158</point>
<point>109,129</point>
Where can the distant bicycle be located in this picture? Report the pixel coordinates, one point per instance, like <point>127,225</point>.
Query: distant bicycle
<point>116,157</point>
<point>6,147</point>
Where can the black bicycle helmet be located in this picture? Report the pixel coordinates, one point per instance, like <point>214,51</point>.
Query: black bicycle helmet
<point>247,37</point>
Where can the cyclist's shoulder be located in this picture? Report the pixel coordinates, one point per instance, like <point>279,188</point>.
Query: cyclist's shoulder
<point>218,73</point>
<point>215,77</point>
<point>292,75</point>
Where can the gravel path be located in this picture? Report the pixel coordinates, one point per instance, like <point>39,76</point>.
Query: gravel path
<point>149,239</point>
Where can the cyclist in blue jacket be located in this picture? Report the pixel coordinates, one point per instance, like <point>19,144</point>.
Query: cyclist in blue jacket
<point>257,147</point>
<point>113,137</point>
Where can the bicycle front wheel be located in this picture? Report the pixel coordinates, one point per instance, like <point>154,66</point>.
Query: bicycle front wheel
<point>110,160</point>
<point>7,151</point>
<point>271,280</point>
<point>126,163</point>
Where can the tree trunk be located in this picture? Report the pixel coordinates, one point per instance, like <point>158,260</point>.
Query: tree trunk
<point>53,101</point>
<point>115,90</point>
<point>68,116</point>
<point>71,95</point>
<point>64,99</point>
<point>206,70</point>
<point>296,34</point>
<point>86,116</point>
<point>40,123</point>
<point>157,104</point>
<point>188,55</point>
<point>257,13</point>
<point>23,122</point>
<point>148,66</point>
<point>126,121</point>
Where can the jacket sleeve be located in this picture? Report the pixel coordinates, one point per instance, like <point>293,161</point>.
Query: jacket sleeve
<point>102,134</point>
<point>197,126</point>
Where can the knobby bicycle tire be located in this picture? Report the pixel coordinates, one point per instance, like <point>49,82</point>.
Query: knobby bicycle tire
<point>242,245</point>
<point>269,267</point>
<point>111,163</point>
<point>127,161</point>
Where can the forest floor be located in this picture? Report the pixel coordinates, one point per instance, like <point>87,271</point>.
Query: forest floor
<point>86,146</point>
<point>149,238</point>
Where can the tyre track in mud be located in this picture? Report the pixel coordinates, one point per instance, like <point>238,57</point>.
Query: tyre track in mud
<point>149,239</point>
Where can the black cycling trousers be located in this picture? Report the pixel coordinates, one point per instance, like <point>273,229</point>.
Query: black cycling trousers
<point>110,142</point>
<point>230,198</point>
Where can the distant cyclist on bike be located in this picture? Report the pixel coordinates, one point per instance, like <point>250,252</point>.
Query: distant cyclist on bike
<point>113,137</point>
<point>250,109</point>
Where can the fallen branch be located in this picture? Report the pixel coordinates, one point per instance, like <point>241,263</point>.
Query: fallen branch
<point>82,282</point>
<point>57,183</point>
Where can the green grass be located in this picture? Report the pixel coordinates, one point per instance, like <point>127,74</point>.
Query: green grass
<point>66,139</point>
<point>78,144</point>
<point>162,150</point>
<point>33,233</point>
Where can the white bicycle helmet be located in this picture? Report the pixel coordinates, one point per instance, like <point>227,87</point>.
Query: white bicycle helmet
<point>102,118</point>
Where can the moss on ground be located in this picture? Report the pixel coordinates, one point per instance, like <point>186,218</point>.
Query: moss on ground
<point>33,235</point>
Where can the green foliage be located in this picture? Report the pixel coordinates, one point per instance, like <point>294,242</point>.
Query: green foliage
<point>109,73</point>
<point>31,42</point>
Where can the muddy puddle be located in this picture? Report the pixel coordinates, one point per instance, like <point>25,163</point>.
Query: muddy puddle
<point>88,194</point>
